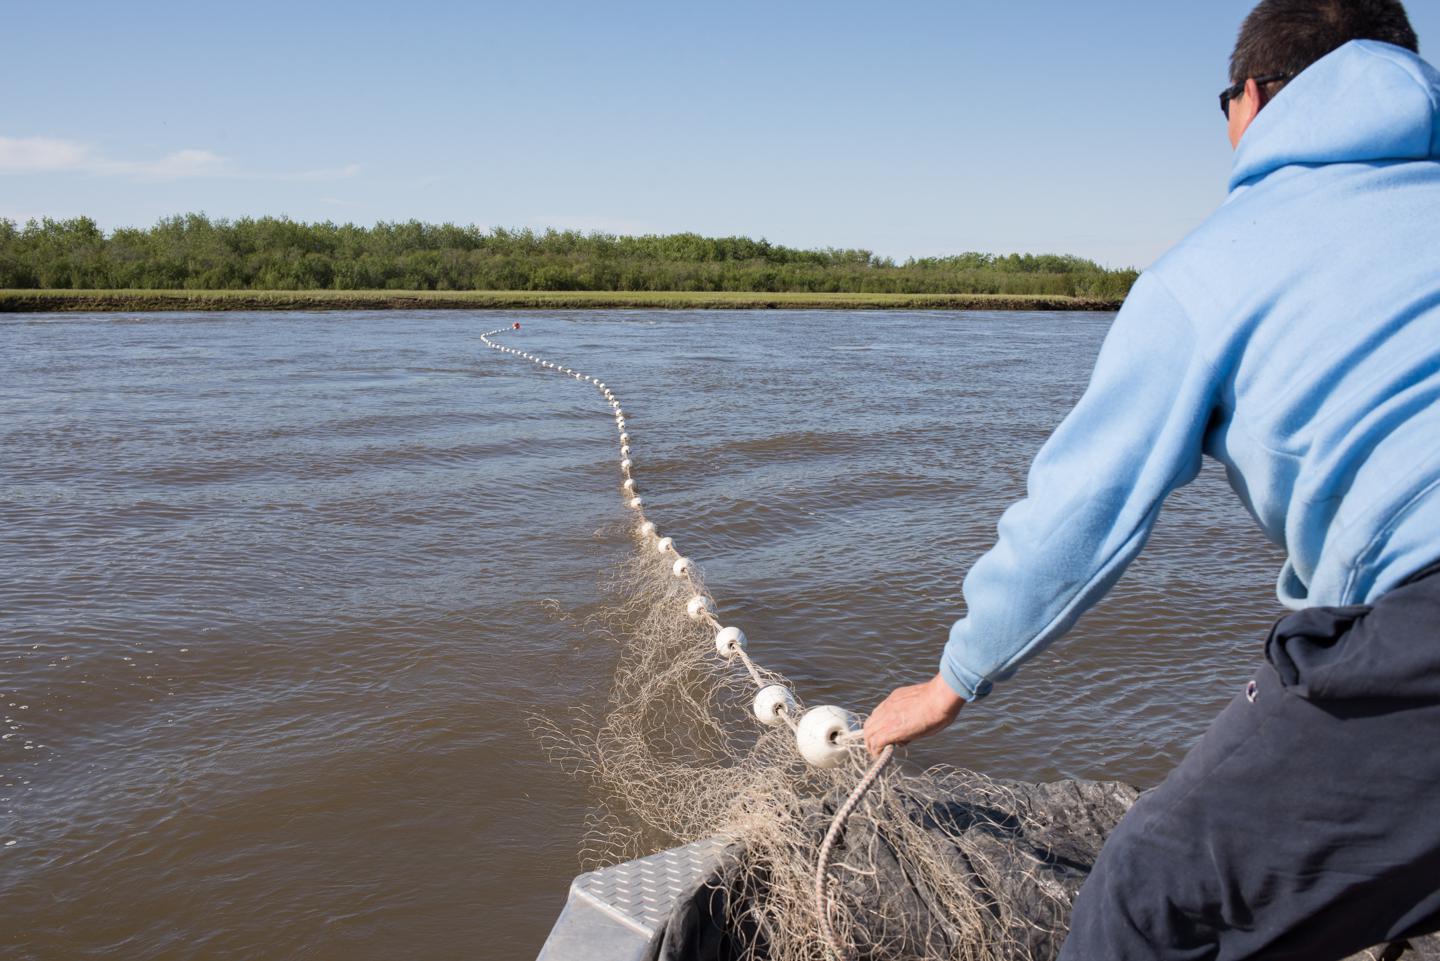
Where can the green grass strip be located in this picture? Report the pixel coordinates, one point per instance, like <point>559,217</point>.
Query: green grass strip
<point>13,301</point>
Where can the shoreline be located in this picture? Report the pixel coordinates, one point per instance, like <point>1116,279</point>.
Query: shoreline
<point>33,301</point>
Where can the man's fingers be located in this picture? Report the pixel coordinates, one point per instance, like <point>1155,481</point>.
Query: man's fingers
<point>887,725</point>
<point>909,713</point>
<point>872,734</point>
<point>879,742</point>
<point>874,739</point>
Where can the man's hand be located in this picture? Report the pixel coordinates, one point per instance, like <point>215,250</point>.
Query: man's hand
<point>912,712</point>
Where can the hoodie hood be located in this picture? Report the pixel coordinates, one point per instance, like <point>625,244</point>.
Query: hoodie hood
<point>1365,101</point>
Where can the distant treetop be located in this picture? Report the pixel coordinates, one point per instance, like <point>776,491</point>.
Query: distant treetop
<point>191,251</point>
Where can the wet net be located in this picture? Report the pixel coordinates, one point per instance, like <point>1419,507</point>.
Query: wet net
<point>940,863</point>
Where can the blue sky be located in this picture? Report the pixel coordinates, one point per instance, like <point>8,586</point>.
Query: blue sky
<point>906,128</point>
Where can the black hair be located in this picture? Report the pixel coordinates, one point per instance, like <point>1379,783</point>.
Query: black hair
<point>1286,36</point>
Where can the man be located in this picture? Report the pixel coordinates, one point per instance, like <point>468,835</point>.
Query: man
<point>1295,337</point>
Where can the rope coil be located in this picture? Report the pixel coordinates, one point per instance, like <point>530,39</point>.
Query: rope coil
<point>824,735</point>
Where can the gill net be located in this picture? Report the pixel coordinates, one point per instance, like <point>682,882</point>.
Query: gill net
<point>836,857</point>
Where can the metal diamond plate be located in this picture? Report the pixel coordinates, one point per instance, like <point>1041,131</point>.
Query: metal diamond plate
<point>642,893</point>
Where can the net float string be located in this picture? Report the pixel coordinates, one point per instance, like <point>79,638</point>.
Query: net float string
<point>825,735</point>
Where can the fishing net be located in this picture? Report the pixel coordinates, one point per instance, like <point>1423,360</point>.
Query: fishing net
<point>941,863</point>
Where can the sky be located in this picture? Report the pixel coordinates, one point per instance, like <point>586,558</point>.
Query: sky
<point>908,128</point>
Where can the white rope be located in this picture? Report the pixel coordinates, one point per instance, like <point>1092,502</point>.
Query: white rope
<point>822,861</point>
<point>730,641</point>
<point>750,666</point>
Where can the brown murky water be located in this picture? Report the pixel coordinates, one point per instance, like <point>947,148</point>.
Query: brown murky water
<point>279,592</point>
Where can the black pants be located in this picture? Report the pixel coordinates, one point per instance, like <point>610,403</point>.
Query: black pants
<point>1305,824</point>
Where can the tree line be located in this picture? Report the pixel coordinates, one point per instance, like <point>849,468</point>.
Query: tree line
<point>194,252</point>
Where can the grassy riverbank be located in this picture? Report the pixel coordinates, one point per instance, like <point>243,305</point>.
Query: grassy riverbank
<point>12,301</point>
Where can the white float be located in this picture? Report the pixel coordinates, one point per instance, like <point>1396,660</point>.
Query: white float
<point>698,606</point>
<point>647,529</point>
<point>772,704</point>
<point>629,484</point>
<point>637,503</point>
<point>729,641</point>
<point>680,567</point>
<point>819,733</point>
<point>626,464</point>
<point>665,544</point>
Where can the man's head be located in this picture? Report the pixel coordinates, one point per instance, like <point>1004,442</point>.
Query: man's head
<point>1280,38</point>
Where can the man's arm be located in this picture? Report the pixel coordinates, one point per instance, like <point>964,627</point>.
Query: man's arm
<point>1093,494</point>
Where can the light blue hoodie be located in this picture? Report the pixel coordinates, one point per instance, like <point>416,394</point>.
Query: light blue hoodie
<point>1295,337</point>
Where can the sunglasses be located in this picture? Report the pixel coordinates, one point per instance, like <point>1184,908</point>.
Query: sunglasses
<point>1230,93</point>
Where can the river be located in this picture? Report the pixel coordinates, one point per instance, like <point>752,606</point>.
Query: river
<point>280,592</point>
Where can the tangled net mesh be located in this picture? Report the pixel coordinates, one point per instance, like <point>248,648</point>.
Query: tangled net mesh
<point>930,864</point>
<point>934,864</point>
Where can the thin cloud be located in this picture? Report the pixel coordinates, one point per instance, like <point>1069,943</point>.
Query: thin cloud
<point>601,224</point>
<point>173,166</point>
<point>323,173</point>
<point>40,155</point>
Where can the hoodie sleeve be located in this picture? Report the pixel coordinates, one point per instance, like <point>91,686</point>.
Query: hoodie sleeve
<point>1093,493</point>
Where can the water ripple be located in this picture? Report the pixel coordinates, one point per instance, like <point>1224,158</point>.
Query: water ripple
<point>282,590</point>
